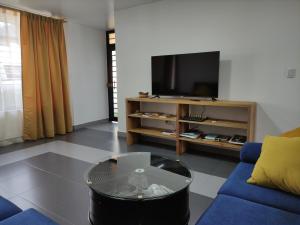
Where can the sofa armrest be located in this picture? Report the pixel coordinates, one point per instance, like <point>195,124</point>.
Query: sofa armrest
<point>7,209</point>
<point>250,152</point>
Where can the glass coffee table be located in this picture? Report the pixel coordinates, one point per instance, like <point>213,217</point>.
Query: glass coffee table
<point>139,189</point>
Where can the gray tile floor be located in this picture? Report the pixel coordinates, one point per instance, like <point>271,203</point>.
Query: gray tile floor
<point>53,183</point>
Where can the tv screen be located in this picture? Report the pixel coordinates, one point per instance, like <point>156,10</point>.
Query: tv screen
<point>194,75</point>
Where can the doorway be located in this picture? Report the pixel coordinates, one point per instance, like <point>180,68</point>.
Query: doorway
<point>112,79</point>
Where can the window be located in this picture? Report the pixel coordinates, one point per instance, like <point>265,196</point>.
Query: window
<point>10,75</point>
<point>10,61</point>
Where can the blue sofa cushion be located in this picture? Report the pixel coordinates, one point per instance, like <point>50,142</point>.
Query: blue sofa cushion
<point>250,152</point>
<point>28,217</point>
<point>7,209</point>
<point>237,186</point>
<point>228,210</point>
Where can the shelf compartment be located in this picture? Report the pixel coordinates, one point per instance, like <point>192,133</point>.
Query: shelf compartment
<point>212,143</point>
<point>171,119</point>
<point>152,132</point>
<point>219,123</point>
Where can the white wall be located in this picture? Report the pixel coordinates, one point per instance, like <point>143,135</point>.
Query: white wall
<point>86,48</point>
<point>258,41</point>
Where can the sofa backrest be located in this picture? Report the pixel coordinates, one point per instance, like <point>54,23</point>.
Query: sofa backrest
<point>250,152</point>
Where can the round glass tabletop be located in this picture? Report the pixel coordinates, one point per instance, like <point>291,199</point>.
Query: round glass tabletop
<point>138,176</point>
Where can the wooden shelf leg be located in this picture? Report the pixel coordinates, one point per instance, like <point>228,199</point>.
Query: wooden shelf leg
<point>180,147</point>
<point>131,138</point>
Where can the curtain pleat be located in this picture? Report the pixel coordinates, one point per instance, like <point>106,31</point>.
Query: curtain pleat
<point>46,101</point>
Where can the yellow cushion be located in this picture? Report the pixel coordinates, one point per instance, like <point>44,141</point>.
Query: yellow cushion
<point>278,165</point>
<point>292,133</point>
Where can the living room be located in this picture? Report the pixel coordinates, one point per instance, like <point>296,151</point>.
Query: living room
<point>74,147</point>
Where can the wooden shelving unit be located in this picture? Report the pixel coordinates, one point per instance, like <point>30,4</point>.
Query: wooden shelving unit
<point>135,127</point>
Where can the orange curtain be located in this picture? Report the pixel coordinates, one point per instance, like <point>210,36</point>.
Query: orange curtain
<point>46,101</point>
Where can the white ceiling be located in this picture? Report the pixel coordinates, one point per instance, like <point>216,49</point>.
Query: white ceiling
<point>95,13</point>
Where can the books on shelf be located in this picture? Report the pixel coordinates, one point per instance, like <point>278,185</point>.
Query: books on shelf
<point>169,132</point>
<point>223,138</point>
<point>154,114</point>
<point>191,134</point>
<point>211,137</point>
<point>238,140</point>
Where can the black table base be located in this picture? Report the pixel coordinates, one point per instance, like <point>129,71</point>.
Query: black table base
<point>171,210</point>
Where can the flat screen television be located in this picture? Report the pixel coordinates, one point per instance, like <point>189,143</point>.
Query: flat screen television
<point>191,75</point>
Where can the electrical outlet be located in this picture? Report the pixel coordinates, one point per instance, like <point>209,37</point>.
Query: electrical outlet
<point>291,73</point>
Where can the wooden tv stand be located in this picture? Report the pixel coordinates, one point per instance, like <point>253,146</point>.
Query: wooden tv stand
<point>135,126</point>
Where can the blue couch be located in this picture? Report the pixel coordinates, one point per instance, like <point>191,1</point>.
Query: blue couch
<point>10,214</point>
<point>240,203</point>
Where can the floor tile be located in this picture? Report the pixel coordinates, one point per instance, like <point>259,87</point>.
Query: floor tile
<point>108,127</point>
<point>23,145</point>
<point>26,181</point>
<point>25,204</point>
<point>224,168</point>
<point>15,156</point>
<point>93,138</point>
<point>66,199</point>
<point>5,193</point>
<point>13,169</point>
<point>59,165</point>
<point>205,184</point>
<point>198,204</point>
<point>78,151</point>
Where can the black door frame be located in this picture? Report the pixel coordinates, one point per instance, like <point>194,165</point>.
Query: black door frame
<point>110,48</point>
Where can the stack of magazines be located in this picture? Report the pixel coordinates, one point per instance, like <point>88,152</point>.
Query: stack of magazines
<point>191,134</point>
<point>238,139</point>
<point>211,137</point>
<point>168,132</point>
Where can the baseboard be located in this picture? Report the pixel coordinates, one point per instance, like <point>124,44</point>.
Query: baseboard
<point>80,126</point>
<point>121,134</point>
